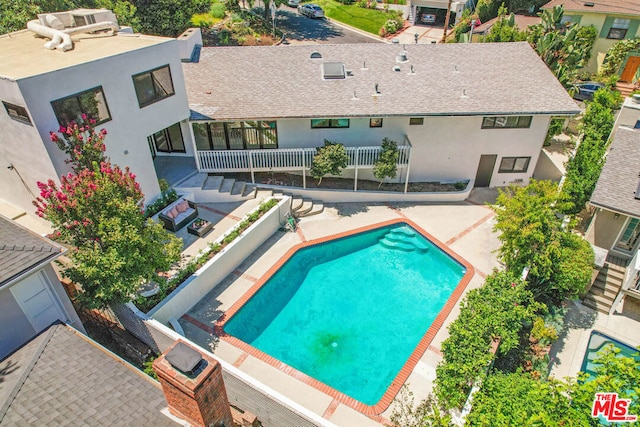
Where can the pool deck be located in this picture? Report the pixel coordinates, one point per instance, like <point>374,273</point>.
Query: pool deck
<point>465,228</point>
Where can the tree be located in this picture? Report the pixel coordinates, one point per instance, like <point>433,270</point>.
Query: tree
<point>497,310</point>
<point>387,164</point>
<point>98,210</point>
<point>516,399</point>
<point>584,167</point>
<point>81,143</point>
<point>329,160</point>
<point>505,29</point>
<point>533,235</point>
<point>563,48</point>
<point>168,17</point>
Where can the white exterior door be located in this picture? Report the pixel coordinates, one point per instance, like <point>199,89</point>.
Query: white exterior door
<point>38,302</point>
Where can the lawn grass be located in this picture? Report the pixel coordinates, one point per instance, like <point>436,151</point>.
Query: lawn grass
<point>369,20</point>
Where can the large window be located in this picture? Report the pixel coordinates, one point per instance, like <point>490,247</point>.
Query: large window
<point>375,122</point>
<point>168,140</point>
<point>17,112</point>
<point>91,102</point>
<point>619,29</point>
<point>152,86</point>
<point>514,164</point>
<point>247,135</point>
<point>329,123</point>
<point>506,122</point>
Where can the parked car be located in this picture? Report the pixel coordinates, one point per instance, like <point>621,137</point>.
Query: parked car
<point>293,3</point>
<point>585,91</point>
<point>428,18</point>
<point>311,10</point>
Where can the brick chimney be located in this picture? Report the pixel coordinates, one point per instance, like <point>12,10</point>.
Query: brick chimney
<point>193,386</point>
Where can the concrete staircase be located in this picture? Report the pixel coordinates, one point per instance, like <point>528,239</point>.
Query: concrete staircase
<point>606,286</point>
<point>217,188</point>
<point>625,89</point>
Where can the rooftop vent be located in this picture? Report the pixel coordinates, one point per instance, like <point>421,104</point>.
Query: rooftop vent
<point>315,55</point>
<point>589,4</point>
<point>333,70</point>
<point>185,359</point>
<point>402,57</point>
<point>376,90</point>
<point>396,68</point>
<point>464,94</point>
<point>411,70</point>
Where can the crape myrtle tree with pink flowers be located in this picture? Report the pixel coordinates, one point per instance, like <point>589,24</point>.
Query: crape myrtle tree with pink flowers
<point>97,209</point>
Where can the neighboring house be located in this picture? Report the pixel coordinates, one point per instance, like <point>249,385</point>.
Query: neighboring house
<point>131,84</point>
<point>614,20</point>
<point>614,230</point>
<point>521,21</point>
<point>459,111</point>
<point>433,12</point>
<point>31,295</point>
<point>62,377</point>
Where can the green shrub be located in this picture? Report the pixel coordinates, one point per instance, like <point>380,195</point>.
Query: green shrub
<point>497,310</point>
<point>217,10</point>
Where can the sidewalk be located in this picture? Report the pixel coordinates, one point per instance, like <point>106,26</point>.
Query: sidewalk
<point>426,34</point>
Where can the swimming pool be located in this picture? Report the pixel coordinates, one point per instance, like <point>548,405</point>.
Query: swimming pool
<point>597,342</point>
<point>354,312</point>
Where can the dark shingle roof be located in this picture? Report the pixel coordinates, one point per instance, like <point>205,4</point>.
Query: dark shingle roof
<point>282,81</point>
<point>63,378</point>
<point>21,250</point>
<point>619,179</point>
<point>621,7</point>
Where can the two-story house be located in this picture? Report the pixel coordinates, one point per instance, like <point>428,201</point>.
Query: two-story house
<point>614,20</point>
<point>131,84</point>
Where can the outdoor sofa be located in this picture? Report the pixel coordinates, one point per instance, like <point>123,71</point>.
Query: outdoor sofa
<point>178,214</point>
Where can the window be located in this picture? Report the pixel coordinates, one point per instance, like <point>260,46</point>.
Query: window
<point>17,112</point>
<point>619,29</point>
<point>416,121</point>
<point>329,123</point>
<point>236,135</point>
<point>514,164</point>
<point>168,140</point>
<point>90,102</point>
<point>506,122</point>
<point>375,123</point>
<point>152,86</point>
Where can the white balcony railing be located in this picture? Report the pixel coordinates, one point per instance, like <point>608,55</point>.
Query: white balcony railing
<point>290,159</point>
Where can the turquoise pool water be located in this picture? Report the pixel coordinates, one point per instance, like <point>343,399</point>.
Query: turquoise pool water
<point>349,312</point>
<point>597,342</point>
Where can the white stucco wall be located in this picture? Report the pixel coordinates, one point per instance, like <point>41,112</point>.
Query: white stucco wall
<point>130,125</point>
<point>446,148</point>
<point>20,146</point>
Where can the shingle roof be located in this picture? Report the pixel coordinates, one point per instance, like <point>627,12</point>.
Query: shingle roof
<point>22,250</point>
<point>63,378</point>
<point>621,7</point>
<point>282,81</point>
<point>619,178</point>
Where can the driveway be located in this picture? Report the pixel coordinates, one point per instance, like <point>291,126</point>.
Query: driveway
<point>302,30</point>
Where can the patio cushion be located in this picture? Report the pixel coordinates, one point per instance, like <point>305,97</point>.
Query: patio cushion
<point>173,213</point>
<point>183,206</point>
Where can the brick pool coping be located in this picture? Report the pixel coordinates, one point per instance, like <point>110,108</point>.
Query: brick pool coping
<point>416,355</point>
